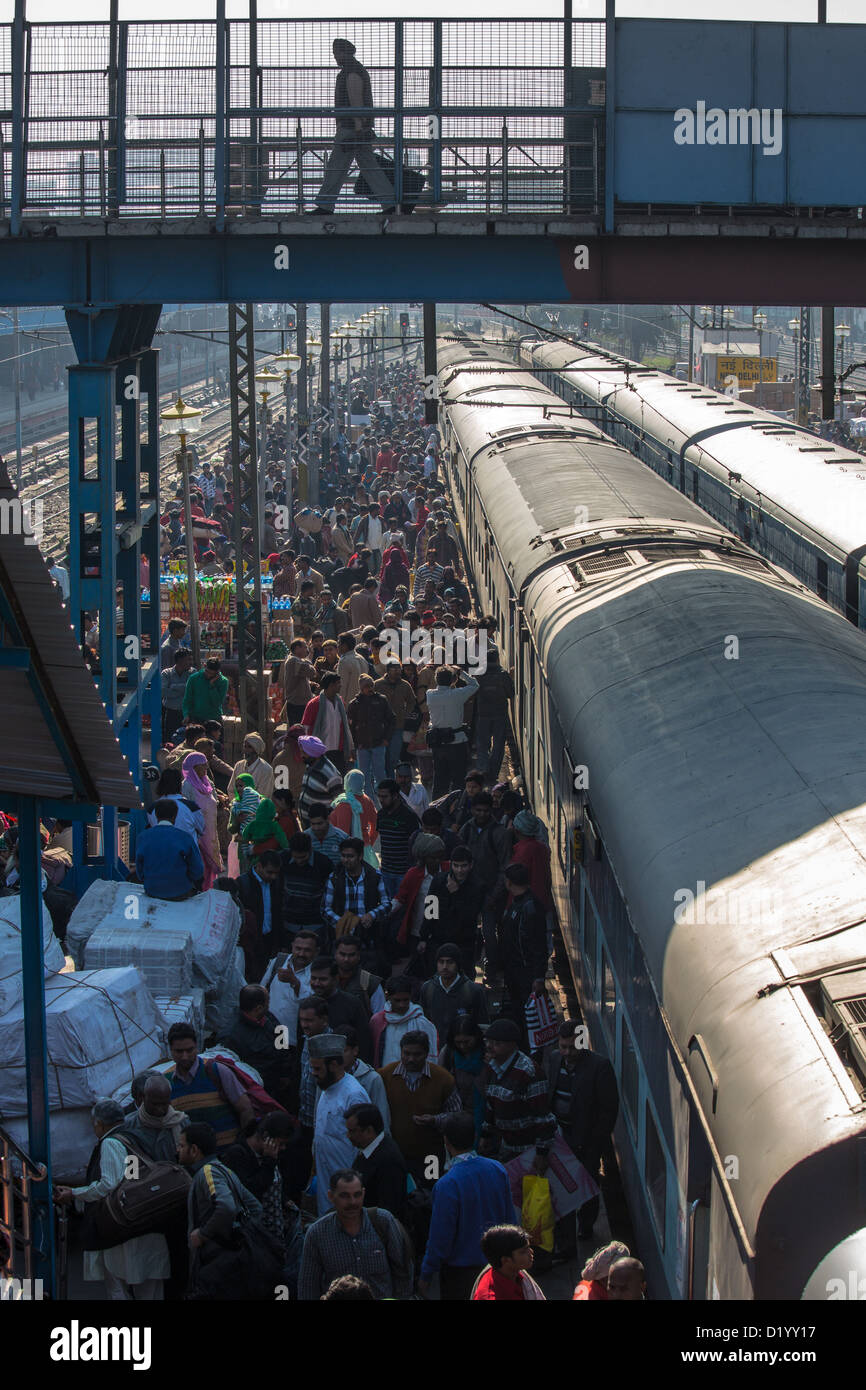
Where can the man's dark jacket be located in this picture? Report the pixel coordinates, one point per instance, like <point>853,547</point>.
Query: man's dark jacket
<point>596,1102</point>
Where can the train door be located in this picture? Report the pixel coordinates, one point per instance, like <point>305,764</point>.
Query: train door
<point>699,1197</point>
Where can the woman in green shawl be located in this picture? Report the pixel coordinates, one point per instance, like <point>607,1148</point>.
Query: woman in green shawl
<point>264,830</point>
<point>355,814</point>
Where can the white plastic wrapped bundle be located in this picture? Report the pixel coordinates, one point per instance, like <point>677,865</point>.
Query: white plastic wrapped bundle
<point>212,919</point>
<point>72,1141</point>
<point>163,957</point>
<point>102,1028</point>
<point>222,1004</point>
<point>11,983</point>
<point>183,1008</point>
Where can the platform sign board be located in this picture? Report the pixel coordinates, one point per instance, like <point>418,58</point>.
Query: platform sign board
<point>747,370</point>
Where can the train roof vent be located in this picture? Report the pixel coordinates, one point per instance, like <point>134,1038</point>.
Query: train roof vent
<point>654,553</point>
<point>842,1006</point>
<point>591,566</point>
<point>752,563</point>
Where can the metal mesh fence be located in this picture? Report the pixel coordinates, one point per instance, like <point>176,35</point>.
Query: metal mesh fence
<point>475,109</point>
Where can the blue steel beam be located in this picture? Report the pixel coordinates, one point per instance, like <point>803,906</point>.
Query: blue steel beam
<point>117,367</point>
<point>35,1035</point>
<point>514,269</point>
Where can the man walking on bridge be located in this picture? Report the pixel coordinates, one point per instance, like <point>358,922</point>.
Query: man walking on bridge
<point>354,137</point>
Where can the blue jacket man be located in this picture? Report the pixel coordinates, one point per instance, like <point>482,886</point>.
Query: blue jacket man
<point>167,861</point>
<point>467,1200</point>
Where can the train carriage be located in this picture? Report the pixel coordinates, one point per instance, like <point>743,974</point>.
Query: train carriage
<point>796,499</point>
<point>689,724</point>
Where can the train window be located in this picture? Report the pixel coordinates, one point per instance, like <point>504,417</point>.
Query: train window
<point>590,935</point>
<point>630,1079</point>
<point>608,999</point>
<point>562,838</point>
<point>655,1176</point>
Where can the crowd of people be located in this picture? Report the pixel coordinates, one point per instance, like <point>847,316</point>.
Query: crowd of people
<point>396,1081</point>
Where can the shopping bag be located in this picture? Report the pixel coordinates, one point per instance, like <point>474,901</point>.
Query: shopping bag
<point>537,1211</point>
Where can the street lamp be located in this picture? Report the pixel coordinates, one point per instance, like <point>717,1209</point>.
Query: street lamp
<point>182,419</point>
<point>308,461</point>
<point>268,380</point>
<point>760,322</point>
<point>289,362</point>
<point>843,331</point>
<point>728,316</point>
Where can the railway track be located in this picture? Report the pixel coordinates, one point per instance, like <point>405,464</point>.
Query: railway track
<point>53,490</point>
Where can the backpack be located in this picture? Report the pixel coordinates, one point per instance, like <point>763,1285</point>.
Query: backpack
<point>262,1103</point>
<point>140,1205</point>
<point>407,1251</point>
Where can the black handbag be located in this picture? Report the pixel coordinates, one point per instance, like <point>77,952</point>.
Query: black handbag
<point>249,1265</point>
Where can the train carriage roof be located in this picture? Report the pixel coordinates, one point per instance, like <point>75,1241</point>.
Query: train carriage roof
<point>747,775</point>
<point>811,484</point>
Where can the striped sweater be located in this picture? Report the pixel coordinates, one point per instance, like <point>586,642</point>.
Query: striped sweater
<point>516,1109</point>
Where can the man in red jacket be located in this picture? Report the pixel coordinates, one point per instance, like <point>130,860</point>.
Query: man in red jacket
<point>530,851</point>
<point>428,851</point>
<point>326,719</point>
<point>385,458</point>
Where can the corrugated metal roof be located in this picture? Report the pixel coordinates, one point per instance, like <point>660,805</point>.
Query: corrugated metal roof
<point>56,740</point>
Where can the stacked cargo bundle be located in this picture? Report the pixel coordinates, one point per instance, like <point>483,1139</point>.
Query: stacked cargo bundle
<point>165,958</point>
<point>210,920</point>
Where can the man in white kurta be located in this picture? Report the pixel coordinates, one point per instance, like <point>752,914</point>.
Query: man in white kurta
<point>332,1147</point>
<point>136,1269</point>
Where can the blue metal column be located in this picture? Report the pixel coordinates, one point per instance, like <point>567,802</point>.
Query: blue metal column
<point>398,116</point>
<point>219,154</point>
<point>149,463</point>
<point>36,1049</point>
<point>18,28</point>
<point>436,113</point>
<point>105,492</point>
<point>610,110</point>
<point>92,577</point>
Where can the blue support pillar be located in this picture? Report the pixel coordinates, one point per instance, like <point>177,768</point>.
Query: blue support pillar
<point>113,519</point>
<point>398,117</point>
<point>219,153</point>
<point>610,111</point>
<point>436,113</point>
<point>18,98</point>
<point>35,1044</point>
<point>149,427</point>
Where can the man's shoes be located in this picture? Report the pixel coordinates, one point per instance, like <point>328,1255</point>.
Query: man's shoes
<point>319,212</point>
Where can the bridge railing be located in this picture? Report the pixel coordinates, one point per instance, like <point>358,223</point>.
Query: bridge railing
<point>157,120</point>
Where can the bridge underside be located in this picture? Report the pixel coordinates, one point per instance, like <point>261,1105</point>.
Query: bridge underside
<point>650,259</point>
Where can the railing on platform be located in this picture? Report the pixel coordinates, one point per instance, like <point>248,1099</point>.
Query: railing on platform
<point>130,120</point>
<point>17,1172</point>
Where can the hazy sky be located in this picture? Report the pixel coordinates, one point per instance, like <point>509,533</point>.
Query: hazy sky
<point>839,11</point>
